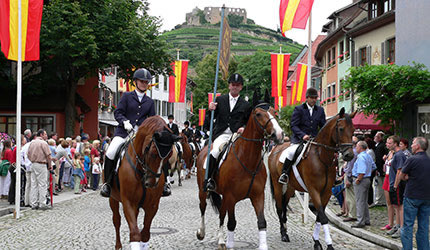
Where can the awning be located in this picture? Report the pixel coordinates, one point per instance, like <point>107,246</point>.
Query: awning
<point>361,121</point>
<point>109,122</point>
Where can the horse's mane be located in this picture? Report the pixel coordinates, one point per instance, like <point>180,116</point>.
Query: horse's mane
<point>151,125</point>
<point>347,119</point>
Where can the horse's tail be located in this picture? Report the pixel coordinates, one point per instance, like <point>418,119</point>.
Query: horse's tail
<point>215,201</point>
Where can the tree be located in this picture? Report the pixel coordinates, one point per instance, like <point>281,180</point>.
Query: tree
<point>78,37</point>
<point>285,119</point>
<point>234,20</point>
<point>385,90</point>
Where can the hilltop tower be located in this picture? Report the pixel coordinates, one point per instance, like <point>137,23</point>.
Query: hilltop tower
<point>212,15</point>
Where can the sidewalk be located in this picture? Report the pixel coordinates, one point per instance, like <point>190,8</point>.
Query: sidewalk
<point>372,233</point>
<point>65,195</point>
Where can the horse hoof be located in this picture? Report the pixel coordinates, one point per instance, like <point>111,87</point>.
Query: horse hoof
<point>180,184</point>
<point>285,238</point>
<point>330,247</point>
<point>317,246</point>
<point>222,247</point>
<point>200,235</point>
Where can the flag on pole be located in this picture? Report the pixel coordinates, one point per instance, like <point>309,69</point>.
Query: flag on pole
<point>178,81</point>
<point>301,81</point>
<point>293,93</point>
<point>280,102</point>
<point>202,114</point>
<point>294,14</point>
<point>280,64</point>
<point>31,16</point>
<point>122,85</point>
<point>211,97</point>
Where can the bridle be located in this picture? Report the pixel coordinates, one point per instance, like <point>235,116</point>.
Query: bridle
<point>340,147</point>
<point>146,172</point>
<point>266,136</point>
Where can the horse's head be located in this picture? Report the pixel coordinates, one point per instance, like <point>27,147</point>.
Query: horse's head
<point>156,153</point>
<point>264,116</point>
<point>342,134</point>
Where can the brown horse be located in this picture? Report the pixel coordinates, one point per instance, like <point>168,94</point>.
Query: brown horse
<point>242,175</point>
<point>175,160</point>
<point>317,172</point>
<point>140,180</point>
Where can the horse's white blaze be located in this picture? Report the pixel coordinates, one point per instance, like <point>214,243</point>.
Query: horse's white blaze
<point>230,239</point>
<point>276,127</point>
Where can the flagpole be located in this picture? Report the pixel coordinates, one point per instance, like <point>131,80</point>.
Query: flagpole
<point>18,118</point>
<point>215,91</point>
<point>309,51</point>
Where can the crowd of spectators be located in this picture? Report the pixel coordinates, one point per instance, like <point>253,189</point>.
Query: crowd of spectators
<point>49,166</point>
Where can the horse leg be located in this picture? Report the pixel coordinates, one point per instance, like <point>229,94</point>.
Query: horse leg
<point>321,220</point>
<point>231,225</point>
<point>116,218</point>
<point>131,212</point>
<point>201,230</point>
<point>222,213</point>
<point>145,233</point>
<point>285,200</point>
<point>179,175</point>
<point>258,203</point>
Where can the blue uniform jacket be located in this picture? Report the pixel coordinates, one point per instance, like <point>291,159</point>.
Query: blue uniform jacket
<point>303,124</point>
<point>129,108</point>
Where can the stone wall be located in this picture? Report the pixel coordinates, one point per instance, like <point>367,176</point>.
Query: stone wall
<point>213,15</point>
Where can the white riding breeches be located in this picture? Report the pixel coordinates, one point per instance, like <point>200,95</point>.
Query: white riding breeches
<point>225,137</point>
<point>116,142</point>
<point>288,153</point>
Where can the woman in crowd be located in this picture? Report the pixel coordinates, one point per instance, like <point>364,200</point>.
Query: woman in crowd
<point>61,156</point>
<point>404,144</point>
<point>7,154</point>
<point>386,188</point>
<point>12,172</point>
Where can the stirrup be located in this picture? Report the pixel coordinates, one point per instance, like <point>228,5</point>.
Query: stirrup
<point>210,185</point>
<point>283,179</point>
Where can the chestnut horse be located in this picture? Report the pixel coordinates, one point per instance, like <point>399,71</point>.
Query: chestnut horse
<point>242,175</point>
<point>317,172</point>
<point>139,181</point>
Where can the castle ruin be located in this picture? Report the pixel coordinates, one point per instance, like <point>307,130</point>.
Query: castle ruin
<point>212,15</point>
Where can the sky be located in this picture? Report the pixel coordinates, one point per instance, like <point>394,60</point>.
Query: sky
<point>264,13</point>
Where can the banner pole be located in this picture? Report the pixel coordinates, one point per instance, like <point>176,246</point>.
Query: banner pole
<point>18,118</point>
<point>215,91</point>
<point>309,51</point>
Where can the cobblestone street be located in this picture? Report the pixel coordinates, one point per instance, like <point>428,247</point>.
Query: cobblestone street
<point>85,223</point>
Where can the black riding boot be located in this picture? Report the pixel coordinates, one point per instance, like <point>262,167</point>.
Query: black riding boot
<point>283,179</point>
<point>109,168</point>
<point>209,184</point>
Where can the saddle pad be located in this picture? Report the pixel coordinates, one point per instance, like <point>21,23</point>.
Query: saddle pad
<point>179,147</point>
<point>193,148</point>
<point>295,170</point>
<point>233,138</point>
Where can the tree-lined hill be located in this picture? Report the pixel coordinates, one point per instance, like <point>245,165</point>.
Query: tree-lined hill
<point>196,41</point>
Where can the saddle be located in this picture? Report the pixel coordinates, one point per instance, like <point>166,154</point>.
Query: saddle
<point>119,155</point>
<point>224,149</point>
<point>178,146</point>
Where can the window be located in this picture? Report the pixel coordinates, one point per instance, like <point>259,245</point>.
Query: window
<point>157,107</point>
<point>391,51</point>
<point>363,56</point>
<point>164,108</point>
<point>347,49</point>
<point>333,89</point>
<point>329,58</point>
<point>373,10</point>
<point>387,5</point>
<point>341,50</point>
<point>166,82</point>
<point>333,55</point>
<point>157,80</point>
<point>33,122</point>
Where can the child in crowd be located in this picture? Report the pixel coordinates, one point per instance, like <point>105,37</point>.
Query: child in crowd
<point>96,173</point>
<point>78,164</point>
<point>87,174</point>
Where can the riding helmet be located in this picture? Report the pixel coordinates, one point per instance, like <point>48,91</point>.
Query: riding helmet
<point>142,74</point>
<point>236,78</point>
<point>311,92</point>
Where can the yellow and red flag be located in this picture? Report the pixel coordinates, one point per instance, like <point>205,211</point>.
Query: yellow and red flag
<point>178,81</point>
<point>31,18</point>
<point>280,65</point>
<point>211,97</point>
<point>293,93</point>
<point>294,14</point>
<point>202,114</point>
<point>301,81</point>
<point>280,102</point>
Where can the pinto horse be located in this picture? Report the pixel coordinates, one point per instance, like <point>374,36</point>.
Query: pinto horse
<point>317,172</point>
<point>139,181</point>
<point>242,175</point>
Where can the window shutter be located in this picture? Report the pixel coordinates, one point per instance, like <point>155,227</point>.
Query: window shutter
<point>383,61</point>
<point>357,58</point>
<point>369,55</point>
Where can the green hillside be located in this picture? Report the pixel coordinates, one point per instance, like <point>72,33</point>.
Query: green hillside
<point>196,41</point>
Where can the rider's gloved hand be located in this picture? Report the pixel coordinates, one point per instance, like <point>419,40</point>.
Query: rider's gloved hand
<point>127,125</point>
